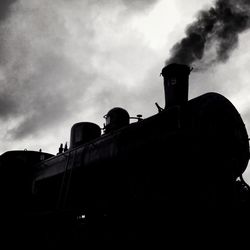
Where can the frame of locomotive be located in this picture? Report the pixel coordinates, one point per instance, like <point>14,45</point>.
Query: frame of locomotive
<point>173,167</point>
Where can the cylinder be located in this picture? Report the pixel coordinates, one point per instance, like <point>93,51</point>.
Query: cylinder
<point>83,132</point>
<point>116,118</point>
<point>176,81</point>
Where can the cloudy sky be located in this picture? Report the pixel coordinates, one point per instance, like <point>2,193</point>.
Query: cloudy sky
<point>65,61</point>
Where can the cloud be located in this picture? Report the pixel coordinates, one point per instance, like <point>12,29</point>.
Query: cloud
<point>136,5</point>
<point>62,59</point>
<point>5,8</point>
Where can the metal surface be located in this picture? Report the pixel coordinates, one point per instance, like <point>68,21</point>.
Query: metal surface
<point>176,83</point>
<point>116,118</point>
<point>83,132</point>
<point>177,165</point>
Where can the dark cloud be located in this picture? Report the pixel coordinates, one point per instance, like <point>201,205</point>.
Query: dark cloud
<point>5,8</point>
<point>48,53</point>
<point>8,106</point>
<point>37,79</point>
<point>5,12</point>
<point>46,96</point>
<point>216,30</point>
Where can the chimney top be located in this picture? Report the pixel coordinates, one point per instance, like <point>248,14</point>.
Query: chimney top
<point>174,69</point>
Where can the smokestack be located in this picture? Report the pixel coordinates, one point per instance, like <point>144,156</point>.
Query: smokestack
<point>176,80</point>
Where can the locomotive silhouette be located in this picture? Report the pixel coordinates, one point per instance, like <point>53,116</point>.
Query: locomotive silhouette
<point>178,172</point>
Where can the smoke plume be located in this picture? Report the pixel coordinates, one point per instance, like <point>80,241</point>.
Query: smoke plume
<point>214,35</point>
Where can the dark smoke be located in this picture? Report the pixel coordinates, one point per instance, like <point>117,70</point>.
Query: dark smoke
<point>216,30</point>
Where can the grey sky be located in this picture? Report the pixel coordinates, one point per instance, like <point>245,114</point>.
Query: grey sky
<point>51,52</point>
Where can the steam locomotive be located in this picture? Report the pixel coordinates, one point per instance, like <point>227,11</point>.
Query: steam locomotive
<point>178,172</point>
